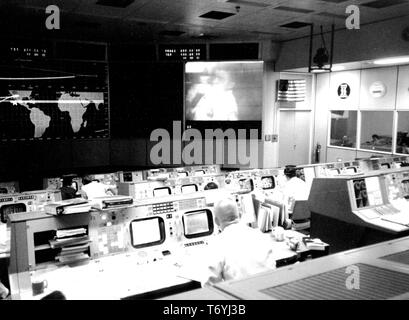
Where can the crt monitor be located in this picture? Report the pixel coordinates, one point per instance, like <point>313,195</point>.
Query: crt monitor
<point>335,171</point>
<point>405,188</point>
<point>267,182</point>
<point>211,185</point>
<point>189,188</point>
<point>182,174</point>
<point>6,210</point>
<point>200,173</point>
<point>161,192</point>
<point>246,184</point>
<point>147,232</point>
<point>127,176</point>
<point>198,223</point>
<point>74,185</point>
<point>350,170</point>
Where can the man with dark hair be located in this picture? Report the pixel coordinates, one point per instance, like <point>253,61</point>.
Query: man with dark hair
<point>295,188</point>
<point>67,191</point>
<point>239,251</point>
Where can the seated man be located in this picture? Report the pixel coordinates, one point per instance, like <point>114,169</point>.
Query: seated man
<point>92,188</point>
<point>67,191</point>
<point>238,251</point>
<point>295,189</point>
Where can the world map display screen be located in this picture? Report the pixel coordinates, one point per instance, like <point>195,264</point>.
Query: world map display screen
<point>48,112</point>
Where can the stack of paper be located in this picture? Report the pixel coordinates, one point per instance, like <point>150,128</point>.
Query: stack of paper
<point>74,244</point>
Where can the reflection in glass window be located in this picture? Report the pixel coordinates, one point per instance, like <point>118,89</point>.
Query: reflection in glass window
<point>402,137</point>
<point>376,130</point>
<point>343,128</point>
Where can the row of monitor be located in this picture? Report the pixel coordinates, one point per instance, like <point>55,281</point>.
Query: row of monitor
<point>238,181</point>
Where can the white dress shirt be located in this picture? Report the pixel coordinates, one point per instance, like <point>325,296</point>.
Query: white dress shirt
<point>238,252</point>
<point>297,189</point>
<point>95,189</point>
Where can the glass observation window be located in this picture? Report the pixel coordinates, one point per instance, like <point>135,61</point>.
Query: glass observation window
<point>402,137</point>
<point>343,128</point>
<point>376,130</point>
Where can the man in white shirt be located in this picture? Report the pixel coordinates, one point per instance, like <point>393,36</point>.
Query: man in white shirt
<point>295,188</point>
<point>238,251</point>
<point>94,189</point>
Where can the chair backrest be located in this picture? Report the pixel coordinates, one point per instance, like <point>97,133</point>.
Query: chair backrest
<point>301,211</point>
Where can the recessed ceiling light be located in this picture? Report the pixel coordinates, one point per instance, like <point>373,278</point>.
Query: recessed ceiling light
<point>319,70</point>
<point>393,60</point>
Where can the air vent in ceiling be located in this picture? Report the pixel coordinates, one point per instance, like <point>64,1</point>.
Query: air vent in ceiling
<point>250,3</point>
<point>115,3</point>
<point>171,33</point>
<point>295,25</point>
<point>378,4</point>
<point>217,15</point>
<point>290,9</point>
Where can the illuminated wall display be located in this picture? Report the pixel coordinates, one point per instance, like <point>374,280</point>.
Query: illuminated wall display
<point>182,52</point>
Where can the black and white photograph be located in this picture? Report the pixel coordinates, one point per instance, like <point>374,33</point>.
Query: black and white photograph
<point>199,156</point>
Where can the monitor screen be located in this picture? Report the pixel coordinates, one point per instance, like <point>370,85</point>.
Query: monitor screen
<point>405,188</point>
<point>189,188</point>
<point>74,185</point>
<point>246,184</point>
<point>373,191</point>
<point>147,232</point>
<point>161,192</point>
<point>198,223</point>
<point>224,91</point>
<point>8,209</point>
<point>350,170</point>
<point>211,185</point>
<point>127,176</point>
<point>200,173</point>
<point>385,166</point>
<point>334,172</point>
<point>267,183</point>
<point>182,174</point>
<point>360,193</point>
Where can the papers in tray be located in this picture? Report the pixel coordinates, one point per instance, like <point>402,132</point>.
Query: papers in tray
<point>63,233</point>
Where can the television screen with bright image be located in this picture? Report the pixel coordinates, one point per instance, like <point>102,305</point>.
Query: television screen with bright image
<point>147,232</point>
<point>198,223</point>
<point>224,91</point>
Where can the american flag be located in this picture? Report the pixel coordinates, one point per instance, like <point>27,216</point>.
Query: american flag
<point>291,90</point>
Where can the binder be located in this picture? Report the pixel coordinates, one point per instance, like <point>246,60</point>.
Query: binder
<point>67,207</point>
